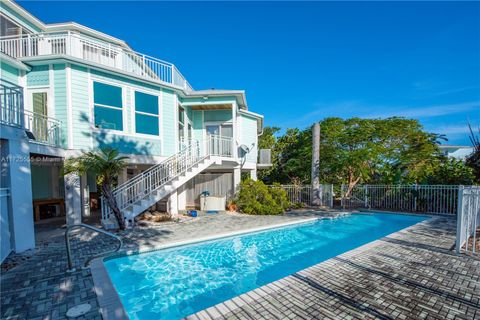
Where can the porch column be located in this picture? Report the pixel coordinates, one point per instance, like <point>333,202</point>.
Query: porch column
<point>20,184</point>
<point>253,174</point>
<point>182,198</point>
<point>237,178</point>
<point>122,176</point>
<point>173,204</point>
<point>73,199</point>
<point>85,196</point>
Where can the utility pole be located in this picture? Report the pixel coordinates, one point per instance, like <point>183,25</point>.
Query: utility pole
<point>316,194</point>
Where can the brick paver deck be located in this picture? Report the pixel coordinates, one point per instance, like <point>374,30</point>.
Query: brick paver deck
<point>411,274</point>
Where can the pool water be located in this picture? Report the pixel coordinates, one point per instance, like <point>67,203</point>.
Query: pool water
<point>173,283</point>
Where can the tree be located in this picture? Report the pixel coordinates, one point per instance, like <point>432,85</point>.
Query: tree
<point>451,171</point>
<point>106,165</point>
<point>392,150</point>
<point>473,160</point>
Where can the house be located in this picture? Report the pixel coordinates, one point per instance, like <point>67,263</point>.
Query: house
<point>457,152</point>
<point>67,89</point>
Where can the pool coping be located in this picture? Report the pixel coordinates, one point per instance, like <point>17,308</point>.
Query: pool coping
<point>111,306</point>
<point>109,302</point>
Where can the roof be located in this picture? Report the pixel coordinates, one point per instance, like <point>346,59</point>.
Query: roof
<point>61,26</point>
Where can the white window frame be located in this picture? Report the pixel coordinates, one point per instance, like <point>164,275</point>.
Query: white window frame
<point>134,112</point>
<point>92,106</point>
<point>40,89</point>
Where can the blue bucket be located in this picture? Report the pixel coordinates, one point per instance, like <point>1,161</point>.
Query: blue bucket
<point>192,213</point>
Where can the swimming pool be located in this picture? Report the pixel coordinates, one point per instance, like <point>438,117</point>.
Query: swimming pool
<point>173,283</point>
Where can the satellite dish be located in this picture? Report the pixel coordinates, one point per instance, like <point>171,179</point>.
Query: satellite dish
<point>244,149</point>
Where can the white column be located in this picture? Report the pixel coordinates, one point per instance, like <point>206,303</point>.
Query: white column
<point>173,204</point>
<point>237,177</point>
<point>253,174</point>
<point>73,199</point>
<point>122,176</point>
<point>182,198</point>
<point>20,207</point>
<point>85,196</point>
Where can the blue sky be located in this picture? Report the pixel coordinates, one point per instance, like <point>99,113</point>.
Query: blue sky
<point>301,62</point>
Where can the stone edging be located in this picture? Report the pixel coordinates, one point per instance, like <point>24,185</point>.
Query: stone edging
<point>109,302</point>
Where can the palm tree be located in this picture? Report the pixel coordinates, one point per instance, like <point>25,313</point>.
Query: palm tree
<point>106,165</point>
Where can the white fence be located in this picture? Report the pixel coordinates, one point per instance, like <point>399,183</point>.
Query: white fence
<point>441,199</point>
<point>303,194</point>
<point>468,219</point>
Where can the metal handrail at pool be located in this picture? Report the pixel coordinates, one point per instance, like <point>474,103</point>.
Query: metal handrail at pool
<point>82,225</point>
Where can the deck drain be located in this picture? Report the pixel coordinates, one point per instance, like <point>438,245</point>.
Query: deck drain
<point>79,310</point>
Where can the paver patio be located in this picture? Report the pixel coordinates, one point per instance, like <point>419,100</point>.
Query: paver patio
<point>411,274</point>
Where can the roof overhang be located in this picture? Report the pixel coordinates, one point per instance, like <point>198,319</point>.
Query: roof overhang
<point>14,62</point>
<point>238,94</point>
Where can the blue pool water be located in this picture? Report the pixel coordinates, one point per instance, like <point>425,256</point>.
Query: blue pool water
<point>176,282</point>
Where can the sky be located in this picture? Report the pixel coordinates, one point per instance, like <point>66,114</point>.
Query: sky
<point>301,62</point>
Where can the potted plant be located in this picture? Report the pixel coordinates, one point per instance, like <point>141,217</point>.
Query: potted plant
<point>231,205</point>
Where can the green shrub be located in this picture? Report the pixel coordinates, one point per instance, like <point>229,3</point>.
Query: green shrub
<point>254,197</point>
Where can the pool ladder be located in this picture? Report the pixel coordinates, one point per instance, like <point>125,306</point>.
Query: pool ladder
<point>83,225</point>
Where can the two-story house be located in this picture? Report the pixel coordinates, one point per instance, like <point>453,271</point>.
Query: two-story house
<point>68,89</point>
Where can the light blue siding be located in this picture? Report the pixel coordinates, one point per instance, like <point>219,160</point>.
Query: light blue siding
<point>60,96</point>
<point>197,124</point>
<point>248,136</point>
<point>38,76</point>
<point>80,108</point>
<point>168,121</point>
<point>9,73</point>
<point>217,115</point>
<point>127,144</point>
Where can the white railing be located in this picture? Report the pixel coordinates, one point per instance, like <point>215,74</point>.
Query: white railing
<point>94,50</point>
<point>11,104</point>
<point>45,130</point>
<point>220,146</point>
<point>441,199</point>
<point>144,184</point>
<point>468,219</point>
<point>302,194</point>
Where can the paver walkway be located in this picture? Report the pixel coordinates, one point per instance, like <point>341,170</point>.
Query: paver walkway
<point>38,286</point>
<point>412,274</point>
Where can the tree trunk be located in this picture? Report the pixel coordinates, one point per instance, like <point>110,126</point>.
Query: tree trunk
<point>316,197</point>
<point>107,193</point>
<point>352,182</point>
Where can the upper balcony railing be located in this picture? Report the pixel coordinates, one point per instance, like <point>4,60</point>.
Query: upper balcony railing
<point>45,130</point>
<point>11,104</point>
<point>94,50</point>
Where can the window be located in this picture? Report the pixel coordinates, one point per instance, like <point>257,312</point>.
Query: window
<point>39,103</point>
<point>146,113</point>
<point>181,123</point>
<point>107,102</point>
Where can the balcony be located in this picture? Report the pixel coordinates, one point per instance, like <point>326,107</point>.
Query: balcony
<point>44,130</point>
<point>264,159</point>
<point>83,47</point>
<point>40,129</point>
